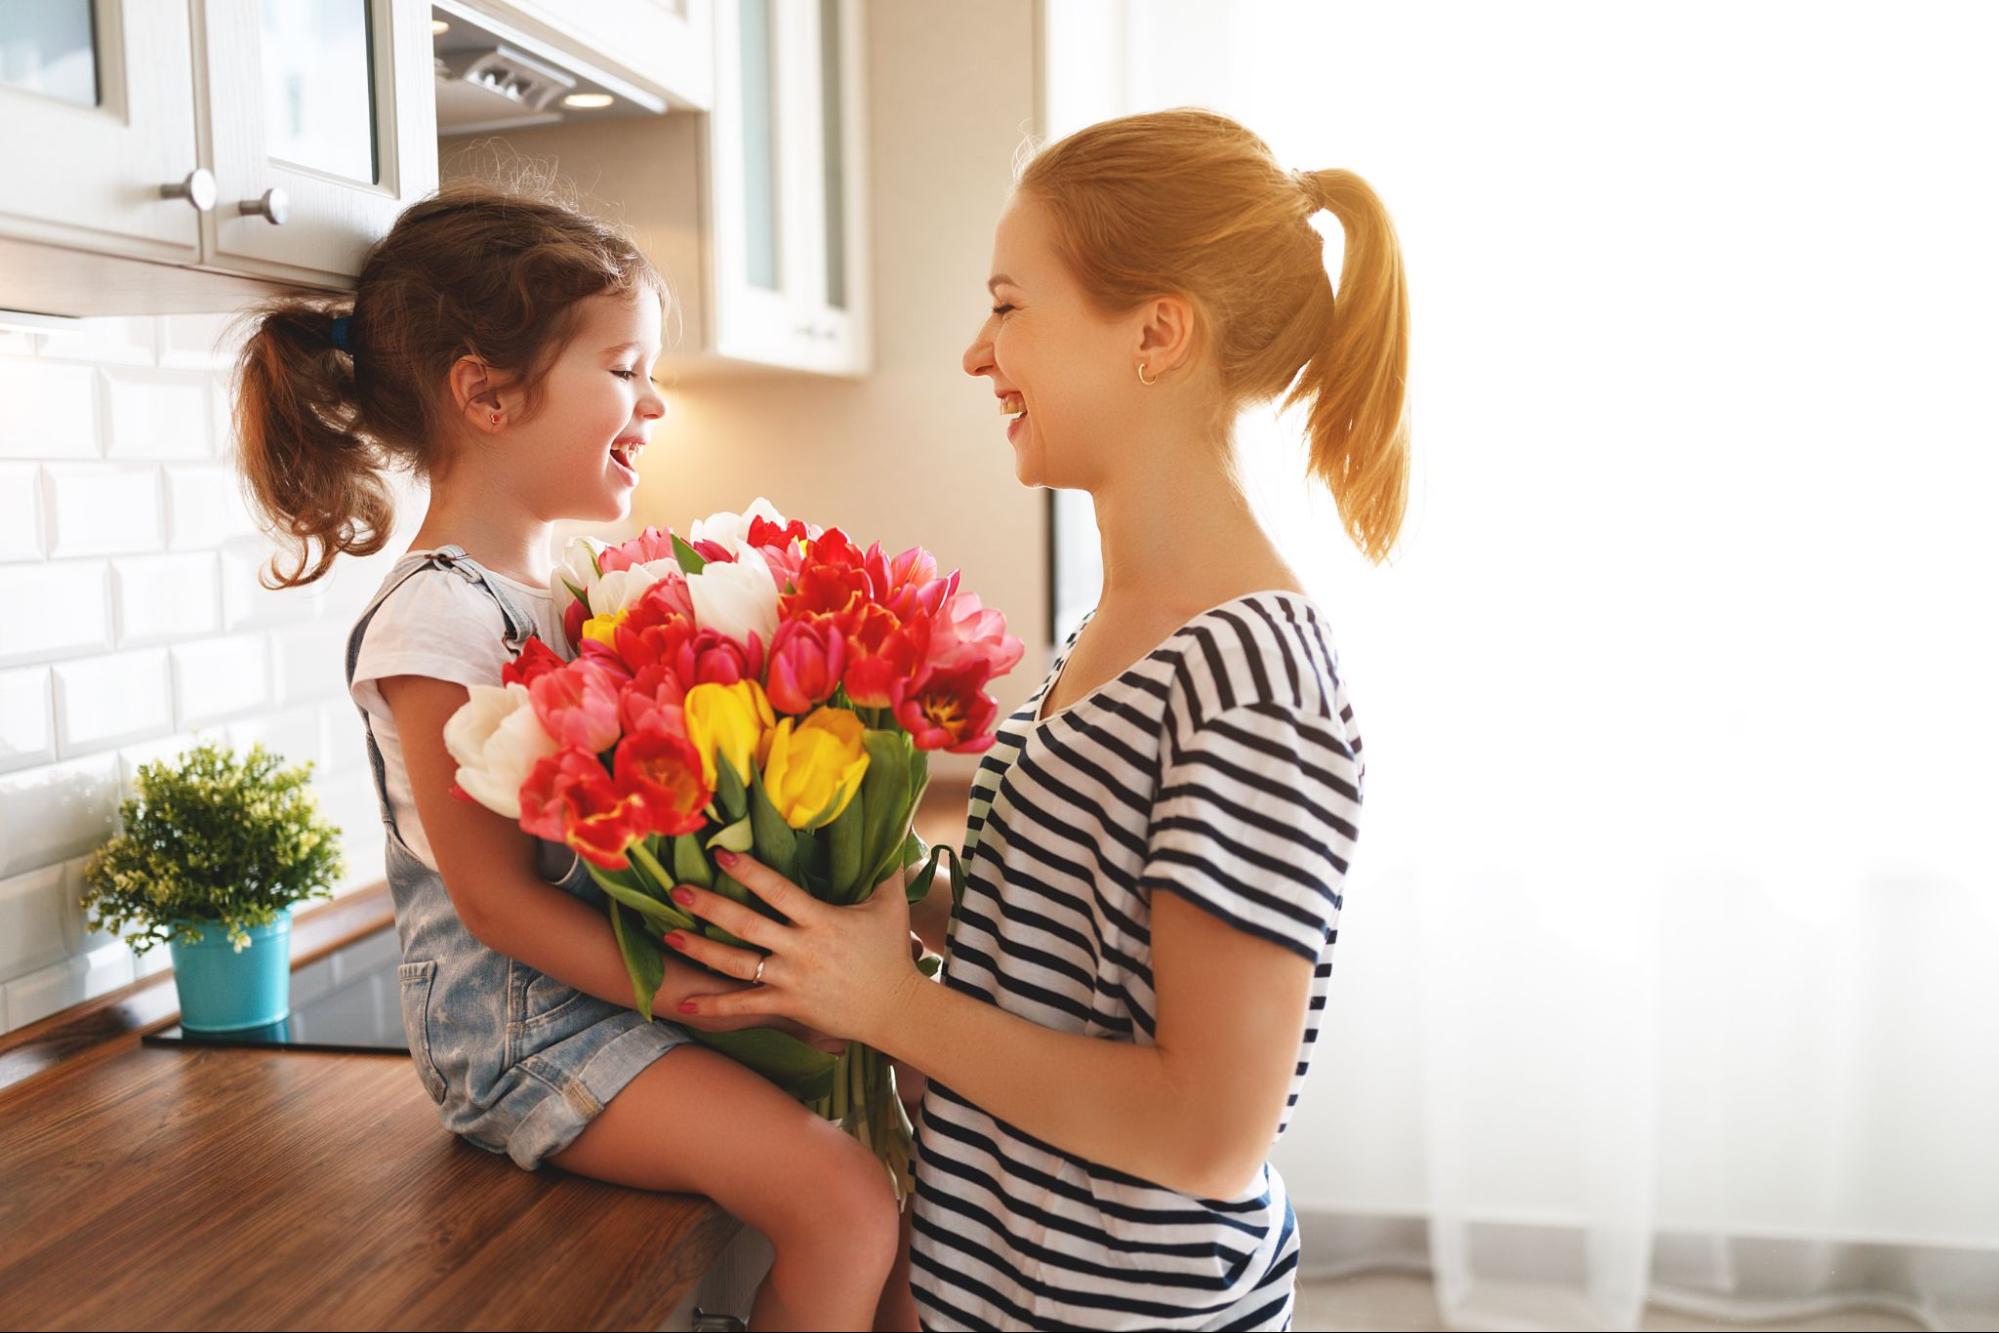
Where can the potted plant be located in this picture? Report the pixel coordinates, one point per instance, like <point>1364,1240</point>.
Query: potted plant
<point>213,854</point>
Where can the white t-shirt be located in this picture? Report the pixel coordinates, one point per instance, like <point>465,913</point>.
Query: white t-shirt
<point>441,625</point>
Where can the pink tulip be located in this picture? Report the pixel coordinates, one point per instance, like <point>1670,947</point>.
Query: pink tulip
<point>968,631</point>
<point>806,659</point>
<point>578,705</point>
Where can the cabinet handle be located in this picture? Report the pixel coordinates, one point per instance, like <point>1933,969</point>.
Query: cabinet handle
<point>275,205</point>
<point>198,189</point>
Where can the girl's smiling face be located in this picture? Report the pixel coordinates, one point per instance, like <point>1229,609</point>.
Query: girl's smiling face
<point>1061,368</point>
<point>582,447</point>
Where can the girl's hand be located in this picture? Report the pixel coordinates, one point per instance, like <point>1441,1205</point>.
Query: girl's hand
<point>844,970</point>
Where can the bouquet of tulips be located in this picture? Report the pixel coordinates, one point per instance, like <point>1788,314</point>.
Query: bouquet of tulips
<point>762,686</point>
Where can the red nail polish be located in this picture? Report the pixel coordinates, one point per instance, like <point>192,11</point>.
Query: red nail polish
<point>674,941</point>
<point>724,857</point>
<point>684,896</point>
<point>687,1008</point>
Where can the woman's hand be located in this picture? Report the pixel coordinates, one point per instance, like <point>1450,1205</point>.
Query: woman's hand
<point>844,970</point>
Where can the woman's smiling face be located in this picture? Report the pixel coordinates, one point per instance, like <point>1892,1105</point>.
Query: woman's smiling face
<point>1060,367</point>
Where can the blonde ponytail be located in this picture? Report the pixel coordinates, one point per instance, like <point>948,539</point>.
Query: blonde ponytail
<point>1190,202</point>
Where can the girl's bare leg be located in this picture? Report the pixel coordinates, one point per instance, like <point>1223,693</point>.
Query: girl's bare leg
<point>694,1122</point>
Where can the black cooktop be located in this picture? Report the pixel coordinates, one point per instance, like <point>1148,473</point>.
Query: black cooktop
<point>346,1001</point>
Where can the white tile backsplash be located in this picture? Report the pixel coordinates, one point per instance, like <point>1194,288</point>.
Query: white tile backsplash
<point>27,719</point>
<point>57,609</point>
<point>102,508</point>
<point>106,701</point>
<point>134,628</point>
<point>51,410</point>
<point>158,416</point>
<point>20,512</point>
<point>161,597</point>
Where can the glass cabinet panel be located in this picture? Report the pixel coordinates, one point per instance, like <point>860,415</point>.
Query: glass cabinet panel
<point>49,47</point>
<point>319,86</point>
<point>760,201</point>
<point>833,131</point>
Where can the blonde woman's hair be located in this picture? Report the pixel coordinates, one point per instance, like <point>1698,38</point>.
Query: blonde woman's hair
<point>1191,203</point>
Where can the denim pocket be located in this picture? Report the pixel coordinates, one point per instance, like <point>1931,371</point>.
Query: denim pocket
<point>543,998</point>
<point>416,979</point>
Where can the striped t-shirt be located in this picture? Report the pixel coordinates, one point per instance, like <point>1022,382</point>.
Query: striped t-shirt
<point>1224,768</point>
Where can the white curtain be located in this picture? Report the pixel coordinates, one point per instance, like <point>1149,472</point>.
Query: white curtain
<point>1669,969</point>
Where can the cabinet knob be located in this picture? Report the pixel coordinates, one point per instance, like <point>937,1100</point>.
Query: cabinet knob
<point>198,189</point>
<point>275,205</point>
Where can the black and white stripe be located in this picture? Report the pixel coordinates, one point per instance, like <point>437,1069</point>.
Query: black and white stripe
<point>1224,768</point>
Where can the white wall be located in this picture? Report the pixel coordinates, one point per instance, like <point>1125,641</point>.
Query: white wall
<point>131,625</point>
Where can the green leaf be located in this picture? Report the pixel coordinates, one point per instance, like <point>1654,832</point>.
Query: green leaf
<point>804,1072</point>
<point>917,888</point>
<point>651,875</point>
<point>776,844</point>
<point>929,964</point>
<point>663,915</point>
<point>885,791</point>
<point>642,960</point>
<point>690,863</point>
<point>735,837</point>
<point>730,797</point>
<point>691,560</point>
<point>844,837</point>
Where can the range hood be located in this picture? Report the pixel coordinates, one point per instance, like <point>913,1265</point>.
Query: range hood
<point>492,76</point>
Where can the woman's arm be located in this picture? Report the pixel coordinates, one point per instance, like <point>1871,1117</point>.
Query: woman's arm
<point>1194,1112</point>
<point>488,865</point>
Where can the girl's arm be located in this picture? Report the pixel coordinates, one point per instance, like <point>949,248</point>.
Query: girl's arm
<point>1195,1112</point>
<point>488,865</point>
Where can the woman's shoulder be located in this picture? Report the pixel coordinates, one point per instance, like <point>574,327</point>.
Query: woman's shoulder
<point>1270,650</point>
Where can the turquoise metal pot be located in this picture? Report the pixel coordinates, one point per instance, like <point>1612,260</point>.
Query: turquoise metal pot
<point>222,990</point>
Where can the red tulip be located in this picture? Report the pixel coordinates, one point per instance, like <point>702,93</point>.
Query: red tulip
<point>831,580</point>
<point>572,624</point>
<point>570,799</point>
<point>665,770</point>
<point>654,699</point>
<point>536,660</point>
<point>949,710</point>
<point>883,655</point>
<point>806,659</point>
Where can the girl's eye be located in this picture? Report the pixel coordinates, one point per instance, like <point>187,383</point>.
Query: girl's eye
<point>625,374</point>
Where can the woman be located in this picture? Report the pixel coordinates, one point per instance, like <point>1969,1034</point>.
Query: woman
<point>1158,838</point>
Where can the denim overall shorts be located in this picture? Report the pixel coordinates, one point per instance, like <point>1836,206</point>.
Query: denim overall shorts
<point>517,1062</point>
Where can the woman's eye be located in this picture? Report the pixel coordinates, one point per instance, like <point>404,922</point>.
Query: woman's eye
<point>1002,309</point>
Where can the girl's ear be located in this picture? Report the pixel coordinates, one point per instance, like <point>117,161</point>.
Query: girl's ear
<point>475,393</point>
<point>1166,335</point>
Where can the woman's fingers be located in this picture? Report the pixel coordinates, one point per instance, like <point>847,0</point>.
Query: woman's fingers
<point>793,902</point>
<point>727,959</point>
<point>745,923</point>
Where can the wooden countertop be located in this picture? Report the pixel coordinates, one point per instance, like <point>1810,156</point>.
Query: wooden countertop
<point>224,1187</point>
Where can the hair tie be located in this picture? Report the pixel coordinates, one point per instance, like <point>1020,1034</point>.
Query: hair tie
<point>339,333</point>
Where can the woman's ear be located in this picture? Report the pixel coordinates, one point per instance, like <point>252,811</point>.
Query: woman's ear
<point>1166,336</point>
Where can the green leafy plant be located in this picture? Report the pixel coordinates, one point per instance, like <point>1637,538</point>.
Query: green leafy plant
<point>211,839</point>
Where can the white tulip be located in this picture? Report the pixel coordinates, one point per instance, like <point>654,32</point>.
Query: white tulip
<point>732,531</point>
<point>576,573</point>
<point>621,588</point>
<point>738,599</point>
<point>497,740</point>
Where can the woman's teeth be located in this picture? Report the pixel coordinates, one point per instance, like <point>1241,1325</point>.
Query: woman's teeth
<point>1014,405</point>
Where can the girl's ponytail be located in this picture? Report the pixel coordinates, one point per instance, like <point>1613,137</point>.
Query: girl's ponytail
<point>1357,377</point>
<point>297,412</point>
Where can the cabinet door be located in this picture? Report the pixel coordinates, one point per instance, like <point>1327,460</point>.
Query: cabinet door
<point>327,107</point>
<point>788,175</point>
<point>97,101</point>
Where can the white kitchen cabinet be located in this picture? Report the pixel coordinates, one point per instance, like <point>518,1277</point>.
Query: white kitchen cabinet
<point>788,178</point>
<point>757,212</point>
<point>293,132</point>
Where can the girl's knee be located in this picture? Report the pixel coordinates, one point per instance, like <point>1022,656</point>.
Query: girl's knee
<point>848,1187</point>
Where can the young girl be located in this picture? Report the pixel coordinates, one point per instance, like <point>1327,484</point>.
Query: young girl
<point>1159,838</point>
<point>501,346</point>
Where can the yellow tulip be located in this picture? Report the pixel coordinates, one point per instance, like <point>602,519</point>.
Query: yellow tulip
<point>729,720</point>
<point>814,764</point>
<point>604,629</point>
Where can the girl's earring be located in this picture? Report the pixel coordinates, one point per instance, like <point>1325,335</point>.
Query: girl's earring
<point>496,418</point>
<point>1141,376</point>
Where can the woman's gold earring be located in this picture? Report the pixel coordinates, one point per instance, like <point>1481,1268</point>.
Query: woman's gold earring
<point>1141,376</point>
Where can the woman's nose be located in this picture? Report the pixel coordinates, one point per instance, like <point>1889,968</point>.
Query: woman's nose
<point>979,356</point>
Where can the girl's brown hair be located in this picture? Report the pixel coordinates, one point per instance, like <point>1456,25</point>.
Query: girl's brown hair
<point>473,270</point>
<point>1191,203</point>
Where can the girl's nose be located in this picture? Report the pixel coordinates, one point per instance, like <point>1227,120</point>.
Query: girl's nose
<point>652,404</point>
